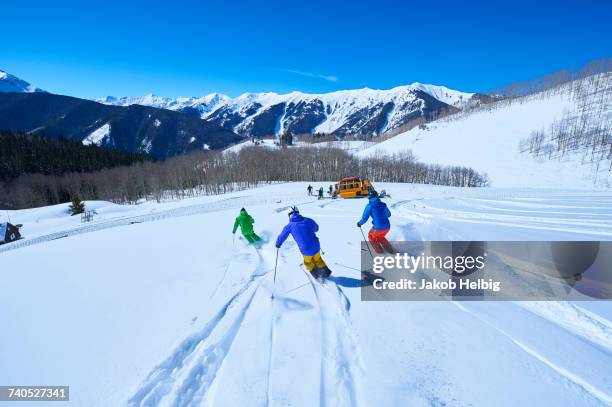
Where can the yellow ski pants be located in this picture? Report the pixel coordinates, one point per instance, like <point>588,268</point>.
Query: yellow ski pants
<point>311,262</point>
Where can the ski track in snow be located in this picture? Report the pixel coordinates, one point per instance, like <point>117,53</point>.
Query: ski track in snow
<point>198,379</point>
<point>205,368</point>
<point>216,206</point>
<point>574,319</point>
<point>570,317</point>
<point>341,364</point>
<point>571,378</point>
<point>587,224</point>
<point>229,263</point>
<point>273,322</point>
<point>186,377</point>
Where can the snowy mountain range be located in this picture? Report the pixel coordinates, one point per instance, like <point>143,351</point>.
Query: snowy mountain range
<point>359,111</point>
<point>364,111</point>
<point>10,83</point>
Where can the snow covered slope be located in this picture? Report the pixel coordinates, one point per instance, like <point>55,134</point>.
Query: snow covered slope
<point>155,305</point>
<point>352,146</point>
<point>489,139</point>
<point>358,111</point>
<point>98,136</point>
<point>10,83</point>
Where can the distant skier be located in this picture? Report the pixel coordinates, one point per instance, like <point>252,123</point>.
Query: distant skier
<point>246,226</point>
<point>309,189</point>
<point>380,214</point>
<point>321,193</point>
<point>304,232</point>
<point>330,191</point>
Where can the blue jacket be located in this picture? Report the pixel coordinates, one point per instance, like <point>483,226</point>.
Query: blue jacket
<point>379,212</point>
<point>303,231</point>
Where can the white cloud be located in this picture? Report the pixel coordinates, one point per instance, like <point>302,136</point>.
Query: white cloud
<point>329,78</point>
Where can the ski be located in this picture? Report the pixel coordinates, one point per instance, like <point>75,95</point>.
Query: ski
<point>315,274</point>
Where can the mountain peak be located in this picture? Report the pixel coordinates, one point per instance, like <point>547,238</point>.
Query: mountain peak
<point>11,83</point>
<point>449,96</point>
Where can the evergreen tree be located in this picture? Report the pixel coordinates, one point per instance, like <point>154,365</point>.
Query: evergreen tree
<point>77,206</point>
<point>36,154</point>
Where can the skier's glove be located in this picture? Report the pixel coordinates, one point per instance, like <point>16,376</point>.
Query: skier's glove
<point>278,246</point>
<point>358,224</point>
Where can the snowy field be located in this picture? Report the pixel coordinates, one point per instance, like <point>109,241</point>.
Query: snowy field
<point>155,304</point>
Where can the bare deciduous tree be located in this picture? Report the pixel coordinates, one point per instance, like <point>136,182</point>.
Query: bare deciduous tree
<point>209,172</point>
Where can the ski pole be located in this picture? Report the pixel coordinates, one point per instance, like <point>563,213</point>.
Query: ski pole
<point>348,267</point>
<point>367,244</point>
<point>295,288</point>
<point>275,267</point>
<point>229,263</point>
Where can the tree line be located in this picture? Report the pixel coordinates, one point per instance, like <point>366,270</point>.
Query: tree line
<point>216,172</point>
<point>553,80</point>
<point>588,83</point>
<point>23,153</point>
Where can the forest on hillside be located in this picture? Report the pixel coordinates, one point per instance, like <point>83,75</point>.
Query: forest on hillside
<point>35,154</point>
<point>216,172</point>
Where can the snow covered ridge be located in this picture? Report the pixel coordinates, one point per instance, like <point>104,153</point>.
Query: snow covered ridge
<point>167,103</point>
<point>358,111</point>
<point>10,83</point>
<point>574,119</point>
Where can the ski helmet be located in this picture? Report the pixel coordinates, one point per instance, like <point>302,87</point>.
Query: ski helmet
<point>294,210</point>
<point>372,193</point>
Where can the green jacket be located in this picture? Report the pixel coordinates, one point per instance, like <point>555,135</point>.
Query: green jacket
<point>245,221</point>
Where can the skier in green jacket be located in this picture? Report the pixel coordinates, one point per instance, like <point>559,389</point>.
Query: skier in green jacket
<point>246,226</point>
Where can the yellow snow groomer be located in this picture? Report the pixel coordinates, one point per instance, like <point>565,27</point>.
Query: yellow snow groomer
<point>353,187</point>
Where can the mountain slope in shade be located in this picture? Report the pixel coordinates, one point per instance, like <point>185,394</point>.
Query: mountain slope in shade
<point>360,111</point>
<point>159,132</point>
<point>10,83</point>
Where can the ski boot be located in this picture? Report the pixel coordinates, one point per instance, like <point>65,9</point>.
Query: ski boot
<point>388,248</point>
<point>321,273</point>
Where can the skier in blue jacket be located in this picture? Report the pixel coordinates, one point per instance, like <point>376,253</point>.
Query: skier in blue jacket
<point>380,214</point>
<point>304,232</point>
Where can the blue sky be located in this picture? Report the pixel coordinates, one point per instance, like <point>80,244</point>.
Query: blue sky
<point>98,48</point>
